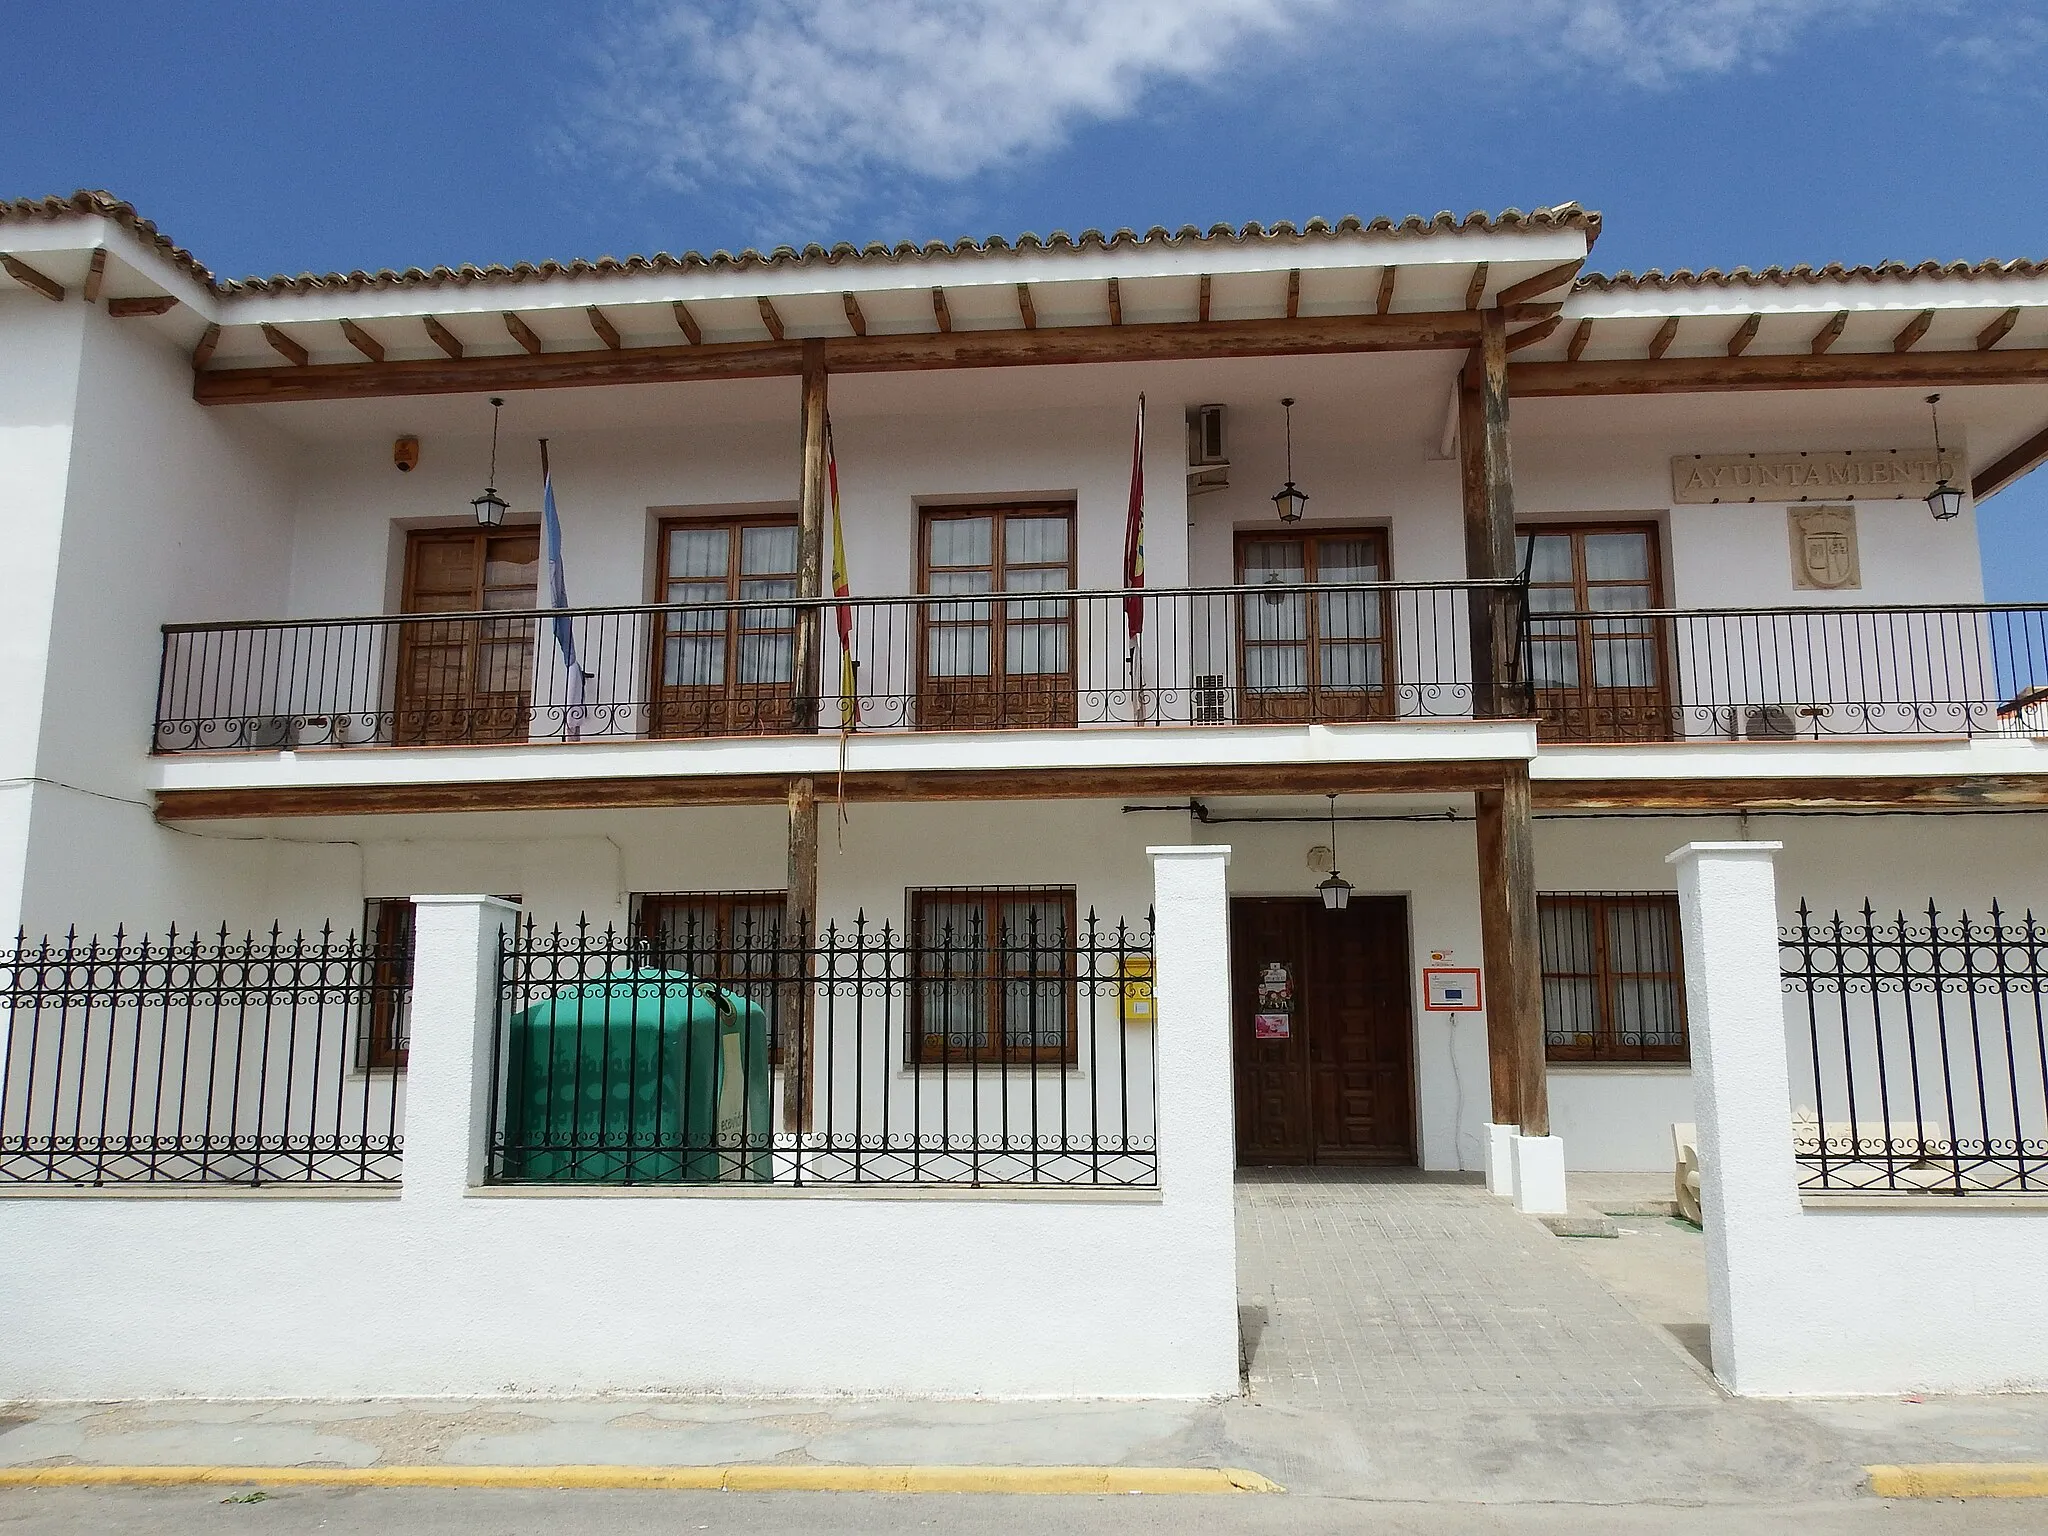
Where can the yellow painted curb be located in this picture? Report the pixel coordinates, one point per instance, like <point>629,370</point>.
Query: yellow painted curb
<point>1962,1480</point>
<point>748,1479</point>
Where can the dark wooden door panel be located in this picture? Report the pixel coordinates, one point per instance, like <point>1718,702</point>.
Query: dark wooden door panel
<point>1272,1083</point>
<point>1339,1088</point>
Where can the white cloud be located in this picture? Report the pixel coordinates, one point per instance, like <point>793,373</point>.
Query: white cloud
<point>800,102</point>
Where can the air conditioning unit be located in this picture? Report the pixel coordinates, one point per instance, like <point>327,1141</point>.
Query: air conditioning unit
<point>1208,458</point>
<point>1212,699</point>
<point>1764,722</point>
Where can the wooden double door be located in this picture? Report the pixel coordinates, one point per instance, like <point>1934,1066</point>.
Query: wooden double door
<point>1323,1031</point>
<point>467,679</point>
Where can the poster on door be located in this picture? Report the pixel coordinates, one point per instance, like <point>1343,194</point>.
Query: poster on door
<point>1273,1009</point>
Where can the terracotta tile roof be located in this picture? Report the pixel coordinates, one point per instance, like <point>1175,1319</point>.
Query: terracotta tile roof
<point>1564,216</point>
<point>105,205</point>
<point>1803,275</point>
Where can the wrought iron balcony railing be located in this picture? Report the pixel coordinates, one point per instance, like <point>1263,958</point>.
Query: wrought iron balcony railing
<point>1160,657</point>
<point>1769,674</point>
<point>1163,657</point>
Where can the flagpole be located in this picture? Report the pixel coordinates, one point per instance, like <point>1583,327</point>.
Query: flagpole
<point>1134,572</point>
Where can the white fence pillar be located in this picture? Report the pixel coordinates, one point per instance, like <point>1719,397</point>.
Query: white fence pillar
<point>447,1074</point>
<point>1742,1097</point>
<point>1196,1127</point>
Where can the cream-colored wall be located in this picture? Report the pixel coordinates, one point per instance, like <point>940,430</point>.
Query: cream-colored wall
<point>612,486</point>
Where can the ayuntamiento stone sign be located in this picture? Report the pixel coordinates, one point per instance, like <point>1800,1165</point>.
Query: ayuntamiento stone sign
<point>1848,474</point>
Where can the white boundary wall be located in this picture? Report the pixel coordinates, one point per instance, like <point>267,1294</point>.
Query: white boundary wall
<point>1894,1294</point>
<point>448,1289</point>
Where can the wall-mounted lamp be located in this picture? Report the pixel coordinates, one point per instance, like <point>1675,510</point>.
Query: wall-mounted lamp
<point>490,507</point>
<point>1945,501</point>
<point>1336,890</point>
<point>1289,500</point>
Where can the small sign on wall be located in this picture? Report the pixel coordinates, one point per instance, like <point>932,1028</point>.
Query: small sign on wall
<point>1450,990</point>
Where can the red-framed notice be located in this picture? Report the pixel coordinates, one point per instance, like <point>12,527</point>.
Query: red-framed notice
<point>1446,989</point>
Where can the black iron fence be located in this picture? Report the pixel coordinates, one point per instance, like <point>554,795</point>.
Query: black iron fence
<point>1789,673</point>
<point>996,1041</point>
<point>188,1060</point>
<point>1920,1060</point>
<point>1179,657</point>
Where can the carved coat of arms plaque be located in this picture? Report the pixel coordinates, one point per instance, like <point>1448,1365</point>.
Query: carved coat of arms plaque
<point>1824,557</point>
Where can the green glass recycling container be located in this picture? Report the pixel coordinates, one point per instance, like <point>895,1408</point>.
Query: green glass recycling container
<point>640,1077</point>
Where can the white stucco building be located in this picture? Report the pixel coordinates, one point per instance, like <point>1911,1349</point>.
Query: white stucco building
<point>220,703</point>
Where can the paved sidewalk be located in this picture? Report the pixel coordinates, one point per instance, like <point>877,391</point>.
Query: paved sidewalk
<point>1410,1340</point>
<point>1372,1289</point>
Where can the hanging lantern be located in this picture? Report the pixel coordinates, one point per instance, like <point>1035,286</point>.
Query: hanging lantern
<point>1945,501</point>
<point>1336,890</point>
<point>1289,501</point>
<point>490,508</point>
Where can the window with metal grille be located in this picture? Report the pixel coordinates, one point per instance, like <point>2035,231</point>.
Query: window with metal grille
<point>730,938</point>
<point>387,1015</point>
<point>1613,988</point>
<point>994,973</point>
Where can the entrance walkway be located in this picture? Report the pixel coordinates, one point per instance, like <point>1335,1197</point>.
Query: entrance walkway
<point>1392,1288</point>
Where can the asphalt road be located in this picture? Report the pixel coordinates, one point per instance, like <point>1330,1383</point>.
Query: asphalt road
<point>444,1512</point>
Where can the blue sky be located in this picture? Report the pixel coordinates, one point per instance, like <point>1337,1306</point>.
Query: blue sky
<point>272,138</point>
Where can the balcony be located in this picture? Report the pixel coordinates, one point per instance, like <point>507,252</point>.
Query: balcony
<point>1212,656</point>
<point>1788,674</point>
<point>1209,656</point>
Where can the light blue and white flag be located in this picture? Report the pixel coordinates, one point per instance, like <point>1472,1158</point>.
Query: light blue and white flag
<point>558,599</point>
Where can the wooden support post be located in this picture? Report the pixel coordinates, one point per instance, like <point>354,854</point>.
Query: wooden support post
<point>800,929</point>
<point>1516,1068</point>
<point>1486,481</point>
<point>801,915</point>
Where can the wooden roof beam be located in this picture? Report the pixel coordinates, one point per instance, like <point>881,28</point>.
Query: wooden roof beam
<point>1202,305</point>
<point>29,277</point>
<point>1144,342</point>
<point>1294,293</point>
<point>1028,311</point>
<point>95,274</point>
<point>854,317</point>
<point>2022,461</point>
<point>149,304</point>
<point>442,337</point>
<point>1476,289</point>
<point>1530,335</point>
<point>1580,337</point>
<point>1911,332</point>
<point>942,312</point>
<point>1829,334</point>
<point>1745,333</point>
<point>1994,333</point>
<point>606,331</point>
<point>202,353</point>
<point>1529,287</point>
<point>687,323</point>
<point>1771,371</point>
<point>522,333</point>
<point>291,351</point>
<point>1116,302</point>
<point>771,319</point>
<point>1666,334</point>
<point>363,341</point>
<point>1384,303</point>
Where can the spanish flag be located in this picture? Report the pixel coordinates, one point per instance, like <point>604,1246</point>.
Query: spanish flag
<point>849,669</point>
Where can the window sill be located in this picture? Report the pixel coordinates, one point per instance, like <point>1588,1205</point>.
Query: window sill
<point>279,1191</point>
<point>1001,1194</point>
<point>1602,1068</point>
<point>1960,1204</point>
